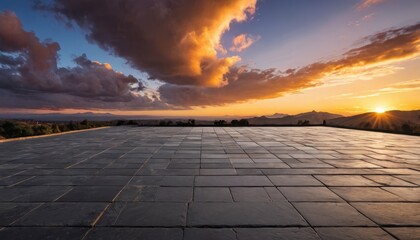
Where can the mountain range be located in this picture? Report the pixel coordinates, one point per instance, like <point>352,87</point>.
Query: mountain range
<point>391,120</point>
<point>401,121</point>
<point>312,118</point>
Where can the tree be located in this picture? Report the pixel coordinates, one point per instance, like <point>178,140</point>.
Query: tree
<point>55,128</point>
<point>191,122</point>
<point>243,122</point>
<point>303,122</point>
<point>84,122</point>
<point>234,122</point>
<point>219,122</point>
<point>406,127</point>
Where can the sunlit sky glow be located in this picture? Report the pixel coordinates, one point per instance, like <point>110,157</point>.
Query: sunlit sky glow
<point>209,58</point>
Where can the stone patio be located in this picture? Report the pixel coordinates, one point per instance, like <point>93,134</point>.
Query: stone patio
<point>261,183</point>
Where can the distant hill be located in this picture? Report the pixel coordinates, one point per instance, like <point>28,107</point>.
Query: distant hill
<point>403,121</point>
<point>313,118</point>
<point>278,115</point>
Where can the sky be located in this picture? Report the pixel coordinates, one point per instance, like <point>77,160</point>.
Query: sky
<point>209,58</point>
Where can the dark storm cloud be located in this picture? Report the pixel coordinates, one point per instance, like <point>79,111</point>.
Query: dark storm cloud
<point>28,69</point>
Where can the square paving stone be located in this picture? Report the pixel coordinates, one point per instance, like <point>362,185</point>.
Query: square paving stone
<point>134,234</point>
<point>406,193</point>
<point>91,194</point>
<point>232,181</point>
<point>392,214</point>
<point>63,214</point>
<point>303,233</point>
<point>294,180</point>
<point>10,212</point>
<point>365,194</point>
<point>249,194</point>
<point>243,214</point>
<point>405,233</point>
<point>388,180</point>
<point>42,233</point>
<point>346,180</point>
<point>212,194</point>
<point>309,194</point>
<point>209,234</point>
<point>216,172</point>
<point>174,194</point>
<point>331,214</point>
<point>177,181</point>
<point>137,193</point>
<point>32,193</point>
<point>145,214</point>
<point>353,233</point>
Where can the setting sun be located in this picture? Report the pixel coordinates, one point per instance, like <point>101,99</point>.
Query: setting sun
<point>380,110</point>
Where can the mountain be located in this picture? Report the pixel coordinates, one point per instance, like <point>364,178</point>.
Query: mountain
<point>278,115</point>
<point>313,118</point>
<point>391,120</point>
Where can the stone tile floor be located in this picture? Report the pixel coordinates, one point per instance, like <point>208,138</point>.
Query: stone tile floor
<point>188,183</point>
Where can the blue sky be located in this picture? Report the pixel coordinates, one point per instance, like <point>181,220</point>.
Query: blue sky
<point>286,34</point>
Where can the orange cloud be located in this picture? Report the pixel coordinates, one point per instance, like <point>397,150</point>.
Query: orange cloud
<point>244,83</point>
<point>363,4</point>
<point>242,42</point>
<point>173,41</point>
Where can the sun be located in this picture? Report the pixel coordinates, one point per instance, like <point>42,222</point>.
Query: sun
<point>380,110</point>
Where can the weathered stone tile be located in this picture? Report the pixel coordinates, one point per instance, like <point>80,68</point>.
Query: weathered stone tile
<point>343,180</point>
<point>174,194</point>
<point>177,181</point>
<point>274,194</point>
<point>243,214</point>
<point>216,172</point>
<point>63,214</point>
<point>351,164</point>
<point>303,233</point>
<point>411,178</point>
<point>32,193</point>
<point>12,180</point>
<point>145,214</point>
<point>406,193</point>
<point>91,194</point>
<point>127,233</point>
<point>405,233</point>
<point>10,212</point>
<point>137,193</point>
<point>146,180</point>
<point>294,180</point>
<point>309,194</point>
<point>365,194</point>
<point>331,214</point>
<point>249,194</point>
<point>212,194</point>
<point>395,214</point>
<point>353,233</point>
<point>209,234</point>
<point>232,181</point>
<point>43,233</point>
<point>388,180</point>
<point>56,181</point>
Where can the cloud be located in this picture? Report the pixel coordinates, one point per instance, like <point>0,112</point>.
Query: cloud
<point>364,4</point>
<point>406,86</point>
<point>244,83</point>
<point>173,41</point>
<point>242,42</point>
<point>28,71</point>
